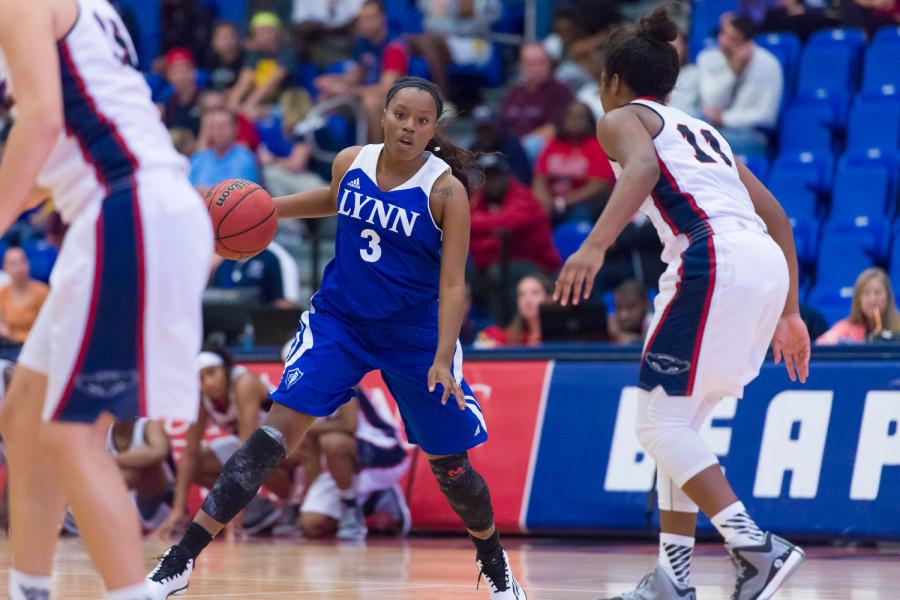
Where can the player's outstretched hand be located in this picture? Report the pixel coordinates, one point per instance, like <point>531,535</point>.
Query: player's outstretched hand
<point>440,374</point>
<point>791,343</point>
<point>576,280</point>
<point>164,531</point>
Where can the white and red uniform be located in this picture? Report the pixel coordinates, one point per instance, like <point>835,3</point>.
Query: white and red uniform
<point>726,283</point>
<point>122,324</point>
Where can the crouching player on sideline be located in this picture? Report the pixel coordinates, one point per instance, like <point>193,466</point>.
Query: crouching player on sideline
<point>142,450</point>
<point>354,460</point>
<point>235,400</point>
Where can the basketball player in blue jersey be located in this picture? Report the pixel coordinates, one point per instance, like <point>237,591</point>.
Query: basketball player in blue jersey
<point>122,323</point>
<point>729,291</point>
<point>403,238</point>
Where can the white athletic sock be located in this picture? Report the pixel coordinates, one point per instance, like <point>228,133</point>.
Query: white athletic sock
<point>736,526</point>
<point>141,591</point>
<point>675,554</point>
<point>28,587</point>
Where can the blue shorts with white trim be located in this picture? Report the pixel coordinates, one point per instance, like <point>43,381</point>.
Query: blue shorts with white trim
<point>330,355</point>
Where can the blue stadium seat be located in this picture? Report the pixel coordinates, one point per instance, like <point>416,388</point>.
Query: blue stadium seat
<point>705,16</point>
<point>836,101</point>
<point>4,246</point>
<point>806,238</point>
<point>887,35</point>
<point>568,236</point>
<point>861,191</point>
<point>881,72</point>
<point>895,260</point>
<point>846,36</point>
<point>828,67</point>
<point>874,124</point>
<point>758,165</point>
<point>42,257</point>
<point>786,48</point>
<point>844,252</point>
<point>806,127</point>
<point>871,236</point>
<point>798,180</point>
<point>833,301</point>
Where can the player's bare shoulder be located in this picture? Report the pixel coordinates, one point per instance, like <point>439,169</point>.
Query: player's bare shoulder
<point>446,189</point>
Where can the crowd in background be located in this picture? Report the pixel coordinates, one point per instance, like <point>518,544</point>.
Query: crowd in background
<point>272,95</point>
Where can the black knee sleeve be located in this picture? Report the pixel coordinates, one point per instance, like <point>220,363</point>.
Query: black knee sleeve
<point>465,489</point>
<point>244,473</point>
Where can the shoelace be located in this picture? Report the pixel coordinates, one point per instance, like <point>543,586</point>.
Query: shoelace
<point>170,565</point>
<point>489,579</point>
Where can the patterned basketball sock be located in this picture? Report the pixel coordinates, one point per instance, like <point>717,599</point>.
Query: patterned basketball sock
<point>675,554</point>
<point>736,526</point>
<point>28,587</point>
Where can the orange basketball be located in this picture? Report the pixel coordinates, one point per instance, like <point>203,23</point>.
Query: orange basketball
<point>243,217</point>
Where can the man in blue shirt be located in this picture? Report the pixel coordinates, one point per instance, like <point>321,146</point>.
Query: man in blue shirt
<point>225,158</point>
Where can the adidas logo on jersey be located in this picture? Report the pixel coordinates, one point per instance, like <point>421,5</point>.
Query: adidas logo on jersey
<point>354,183</point>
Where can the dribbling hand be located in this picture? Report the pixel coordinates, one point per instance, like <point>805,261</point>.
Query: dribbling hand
<point>440,374</point>
<point>791,343</point>
<point>576,280</point>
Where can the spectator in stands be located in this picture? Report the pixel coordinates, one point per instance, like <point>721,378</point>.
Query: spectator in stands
<point>323,31</point>
<point>182,107</point>
<point>740,86</point>
<point>634,255</point>
<point>21,300</point>
<point>212,101</point>
<point>184,141</point>
<point>589,93</point>
<point>268,68</point>
<point>686,95</point>
<point>798,16</point>
<point>525,328</point>
<point>873,313</point>
<point>510,237</point>
<point>285,155</point>
<point>870,14</point>
<point>530,108</point>
<point>573,177</point>
<point>226,57</point>
<point>259,280</point>
<point>186,24</point>
<point>490,138</point>
<point>224,158</point>
<point>579,26</point>
<point>629,322</point>
<point>378,61</point>
<point>280,8</point>
<point>456,32</point>
<point>143,454</point>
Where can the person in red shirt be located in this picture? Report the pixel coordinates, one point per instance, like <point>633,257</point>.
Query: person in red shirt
<point>573,176</point>
<point>511,237</point>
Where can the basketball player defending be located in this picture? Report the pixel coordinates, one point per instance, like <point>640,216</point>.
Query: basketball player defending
<point>730,289</point>
<point>117,335</point>
<point>403,237</point>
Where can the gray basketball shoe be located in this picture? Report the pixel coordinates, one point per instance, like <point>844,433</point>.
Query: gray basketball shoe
<point>657,585</point>
<point>762,569</point>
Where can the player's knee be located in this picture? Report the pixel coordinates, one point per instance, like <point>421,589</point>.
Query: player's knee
<point>465,489</point>
<point>337,444</point>
<point>317,526</point>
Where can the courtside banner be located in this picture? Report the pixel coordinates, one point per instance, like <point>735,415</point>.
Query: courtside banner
<point>822,459</point>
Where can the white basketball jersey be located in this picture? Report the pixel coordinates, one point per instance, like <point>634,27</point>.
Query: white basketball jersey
<point>137,437</point>
<point>227,419</point>
<point>699,191</point>
<point>112,129</point>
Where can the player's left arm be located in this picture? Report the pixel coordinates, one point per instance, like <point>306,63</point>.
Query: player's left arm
<point>154,451</point>
<point>27,37</point>
<point>249,394</point>
<point>450,195</point>
<point>624,136</point>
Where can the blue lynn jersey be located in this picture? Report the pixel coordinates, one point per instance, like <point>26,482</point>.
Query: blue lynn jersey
<point>387,259</point>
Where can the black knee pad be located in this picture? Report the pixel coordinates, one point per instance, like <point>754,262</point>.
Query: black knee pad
<point>244,473</point>
<point>465,489</point>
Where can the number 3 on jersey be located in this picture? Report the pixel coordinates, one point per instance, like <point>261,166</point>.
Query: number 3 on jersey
<point>373,252</point>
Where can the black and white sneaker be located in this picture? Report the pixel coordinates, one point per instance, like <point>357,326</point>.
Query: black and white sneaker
<point>762,569</point>
<point>498,575</point>
<point>171,575</point>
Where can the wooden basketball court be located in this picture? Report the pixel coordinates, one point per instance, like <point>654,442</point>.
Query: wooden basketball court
<point>443,568</point>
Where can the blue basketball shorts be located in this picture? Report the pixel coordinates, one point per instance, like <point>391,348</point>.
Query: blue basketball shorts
<point>330,355</point>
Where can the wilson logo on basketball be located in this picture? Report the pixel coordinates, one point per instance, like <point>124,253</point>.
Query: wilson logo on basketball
<point>233,187</point>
